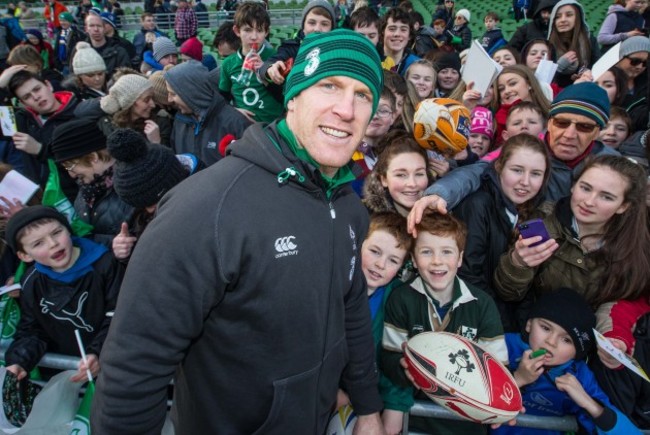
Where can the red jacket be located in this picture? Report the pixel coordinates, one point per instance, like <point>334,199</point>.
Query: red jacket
<point>58,9</point>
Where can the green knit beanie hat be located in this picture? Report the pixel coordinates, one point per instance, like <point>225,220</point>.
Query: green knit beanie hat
<point>340,52</point>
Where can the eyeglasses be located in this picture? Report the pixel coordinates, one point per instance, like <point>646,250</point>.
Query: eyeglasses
<point>582,127</point>
<point>635,61</point>
<point>383,113</point>
<point>68,166</point>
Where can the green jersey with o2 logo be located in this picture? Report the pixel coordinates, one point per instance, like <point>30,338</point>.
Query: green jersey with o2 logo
<point>247,92</point>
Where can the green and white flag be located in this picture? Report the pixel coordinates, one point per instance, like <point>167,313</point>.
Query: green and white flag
<point>81,422</point>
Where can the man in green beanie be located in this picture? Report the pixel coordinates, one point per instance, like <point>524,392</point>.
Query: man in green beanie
<point>246,288</point>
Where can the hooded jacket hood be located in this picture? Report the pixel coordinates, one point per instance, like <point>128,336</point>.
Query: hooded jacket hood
<point>544,4</point>
<point>375,195</point>
<point>191,81</point>
<point>615,8</point>
<point>565,3</point>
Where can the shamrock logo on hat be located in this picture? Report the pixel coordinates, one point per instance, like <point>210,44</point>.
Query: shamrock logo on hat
<point>313,60</point>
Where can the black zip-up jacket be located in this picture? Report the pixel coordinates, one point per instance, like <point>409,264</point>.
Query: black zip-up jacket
<point>257,302</point>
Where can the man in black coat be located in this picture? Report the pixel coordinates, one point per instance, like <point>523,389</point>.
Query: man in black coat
<point>537,28</point>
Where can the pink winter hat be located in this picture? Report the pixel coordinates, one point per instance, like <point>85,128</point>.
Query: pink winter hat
<point>193,48</point>
<point>482,122</point>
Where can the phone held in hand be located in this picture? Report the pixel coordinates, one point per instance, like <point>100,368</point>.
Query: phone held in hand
<point>435,155</point>
<point>532,228</point>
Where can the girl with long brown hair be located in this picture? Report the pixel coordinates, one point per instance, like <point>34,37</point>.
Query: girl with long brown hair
<point>576,48</point>
<point>511,190</point>
<point>599,239</point>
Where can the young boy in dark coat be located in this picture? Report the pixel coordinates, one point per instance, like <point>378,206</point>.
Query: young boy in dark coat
<point>73,285</point>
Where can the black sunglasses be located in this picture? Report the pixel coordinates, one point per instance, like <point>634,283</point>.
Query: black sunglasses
<point>582,127</point>
<point>635,61</point>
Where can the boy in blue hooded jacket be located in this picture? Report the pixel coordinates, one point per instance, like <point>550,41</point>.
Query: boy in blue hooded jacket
<point>548,360</point>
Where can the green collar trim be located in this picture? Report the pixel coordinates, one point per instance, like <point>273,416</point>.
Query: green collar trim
<point>343,176</point>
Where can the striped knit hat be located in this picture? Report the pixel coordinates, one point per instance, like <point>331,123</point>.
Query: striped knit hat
<point>586,99</point>
<point>340,52</point>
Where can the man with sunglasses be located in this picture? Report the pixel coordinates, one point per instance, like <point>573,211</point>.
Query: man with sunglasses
<point>577,115</point>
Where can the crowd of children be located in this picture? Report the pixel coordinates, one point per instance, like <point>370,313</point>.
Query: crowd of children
<point>113,125</point>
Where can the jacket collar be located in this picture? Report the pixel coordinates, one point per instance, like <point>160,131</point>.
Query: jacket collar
<point>461,293</point>
<point>63,97</point>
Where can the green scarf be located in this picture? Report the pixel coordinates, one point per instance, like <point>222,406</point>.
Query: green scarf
<point>343,175</point>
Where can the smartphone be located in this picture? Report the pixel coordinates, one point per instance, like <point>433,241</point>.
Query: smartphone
<point>532,228</point>
<point>435,155</point>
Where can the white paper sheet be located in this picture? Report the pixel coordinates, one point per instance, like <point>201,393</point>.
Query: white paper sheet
<point>16,185</point>
<point>480,68</point>
<point>606,61</point>
<point>8,121</point>
<point>620,356</point>
<point>546,71</point>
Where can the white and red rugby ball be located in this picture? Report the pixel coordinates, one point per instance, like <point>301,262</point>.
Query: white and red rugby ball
<point>460,376</point>
<point>342,421</point>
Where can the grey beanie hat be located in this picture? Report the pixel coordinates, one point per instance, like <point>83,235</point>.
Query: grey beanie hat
<point>87,60</point>
<point>314,4</point>
<point>634,44</point>
<point>124,92</point>
<point>163,47</point>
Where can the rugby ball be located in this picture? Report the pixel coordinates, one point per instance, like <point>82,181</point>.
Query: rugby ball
<point>342,421</point>
<point>460,376</point>
<point>442,124</point>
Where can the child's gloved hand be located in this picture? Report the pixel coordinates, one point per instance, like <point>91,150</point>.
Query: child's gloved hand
<point>529,370</point>
<point>456,40</point>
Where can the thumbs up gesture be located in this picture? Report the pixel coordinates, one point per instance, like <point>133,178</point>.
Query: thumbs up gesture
<point>123,243</point>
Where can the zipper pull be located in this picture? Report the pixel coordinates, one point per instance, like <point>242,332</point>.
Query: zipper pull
<point>332,211</point>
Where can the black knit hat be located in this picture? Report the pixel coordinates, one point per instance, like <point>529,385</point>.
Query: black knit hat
<point>75,139</point>
<point>569,310</point>
<point>143,172</point>
<point>448,60</point>
<point>28,215</point>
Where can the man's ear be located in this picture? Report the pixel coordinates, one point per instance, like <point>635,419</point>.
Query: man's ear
<point>24,257</point>
<point>290,104</point>
<point>529,323</point>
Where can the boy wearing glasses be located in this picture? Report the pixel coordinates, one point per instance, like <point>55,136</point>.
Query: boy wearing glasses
<point>365,156</point>
<point>43,110</point>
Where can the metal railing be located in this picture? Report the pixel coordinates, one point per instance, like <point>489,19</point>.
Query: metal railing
<point>419,409</point>
<point>207,20</point>
<point>430,409</point>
